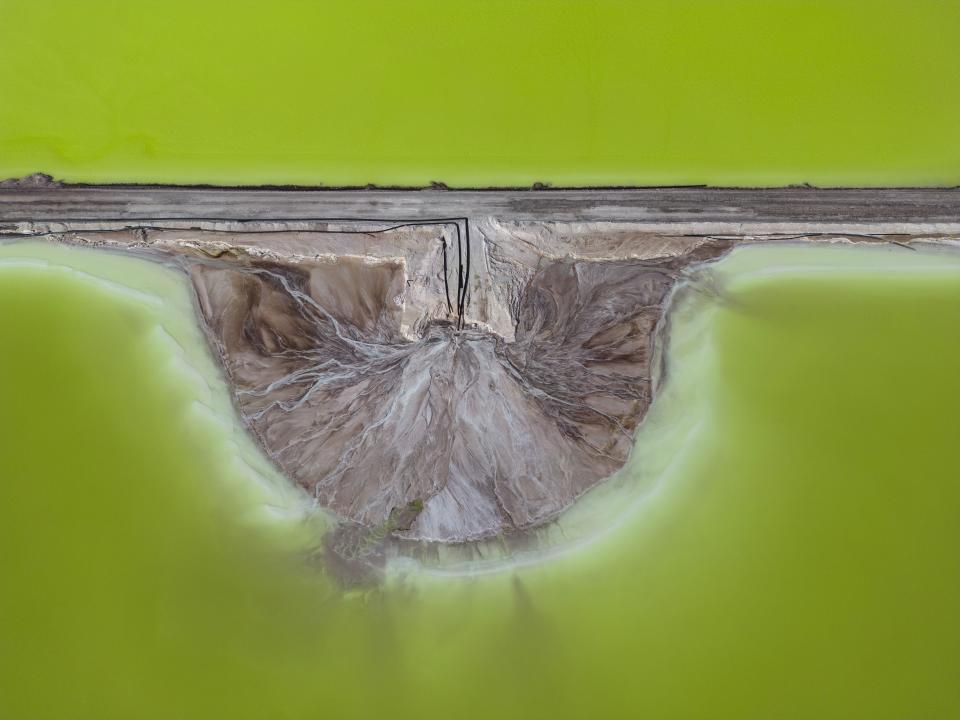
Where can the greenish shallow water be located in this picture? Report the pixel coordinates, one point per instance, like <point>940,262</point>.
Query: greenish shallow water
<point>790,548</point>
<point>482,92</point>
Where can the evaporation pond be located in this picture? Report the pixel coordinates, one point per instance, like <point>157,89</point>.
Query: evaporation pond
<point>796,557</point>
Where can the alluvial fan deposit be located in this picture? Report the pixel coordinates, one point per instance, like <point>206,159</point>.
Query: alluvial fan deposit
<point>427,388</point>
<point>423,386</point>
<point>475,433</point>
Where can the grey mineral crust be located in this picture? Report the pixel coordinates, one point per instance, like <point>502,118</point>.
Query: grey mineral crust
<point>474,389</point>
<point>489,423</point>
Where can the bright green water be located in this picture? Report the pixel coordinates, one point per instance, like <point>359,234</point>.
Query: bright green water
<point>796,557</point>
<point>482,92</point>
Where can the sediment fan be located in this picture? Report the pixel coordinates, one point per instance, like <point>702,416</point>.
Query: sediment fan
<point>470,432</point>
<point>426,387</point>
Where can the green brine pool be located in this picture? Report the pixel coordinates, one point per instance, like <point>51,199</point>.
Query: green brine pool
<point>783,544</point>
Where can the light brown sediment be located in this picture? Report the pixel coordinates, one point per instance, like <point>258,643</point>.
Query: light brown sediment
<point>426,387</point>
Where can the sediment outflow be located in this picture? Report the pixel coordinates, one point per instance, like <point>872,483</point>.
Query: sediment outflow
<point>482,432</point>
<point>425,388</point>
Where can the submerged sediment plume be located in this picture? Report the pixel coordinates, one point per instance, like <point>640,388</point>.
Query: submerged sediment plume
<point>425,389</point>
<point>483,434</point>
